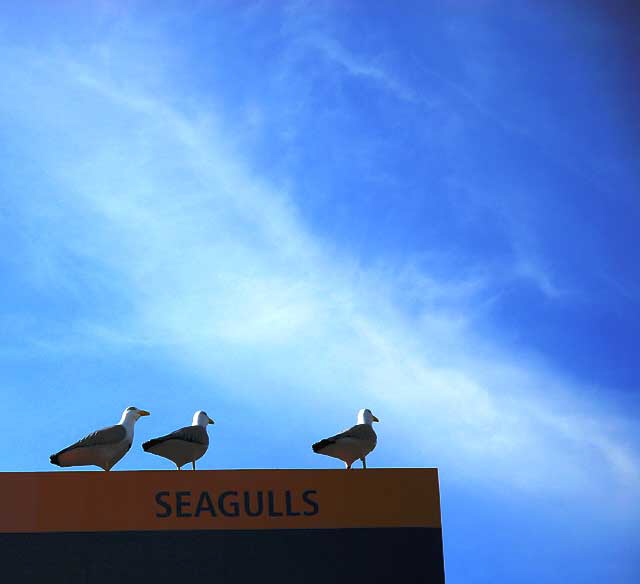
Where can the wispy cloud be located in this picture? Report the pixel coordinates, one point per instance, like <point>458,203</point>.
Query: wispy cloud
<point>331,49</point>
<point>526,268</point>
<point>220,273</point>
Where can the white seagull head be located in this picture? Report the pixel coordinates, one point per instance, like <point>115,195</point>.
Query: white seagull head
<point>133,414</point>
<point>366,417</point>
<point>201,418</point>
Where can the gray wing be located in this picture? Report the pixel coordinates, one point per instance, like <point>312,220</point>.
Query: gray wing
<point>103,437</point>
<point>358,432</point>
<point>194,434</point>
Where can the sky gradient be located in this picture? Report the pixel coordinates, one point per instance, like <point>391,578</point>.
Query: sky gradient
<point>281,213</point>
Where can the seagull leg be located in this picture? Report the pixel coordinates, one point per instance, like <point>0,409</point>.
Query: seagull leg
<point>193,462</point>
<point>348,466</point>
<point>177,467</point>
<point>364,462</point>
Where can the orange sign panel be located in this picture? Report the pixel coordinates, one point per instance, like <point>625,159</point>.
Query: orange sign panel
<point>218,500</point>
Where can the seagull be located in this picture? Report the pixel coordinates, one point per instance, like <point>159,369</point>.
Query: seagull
<point>103,448</point>
<point>187,444</point>
<point>354,443</point>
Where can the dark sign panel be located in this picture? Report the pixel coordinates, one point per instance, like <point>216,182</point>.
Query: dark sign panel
<point>378,525</point>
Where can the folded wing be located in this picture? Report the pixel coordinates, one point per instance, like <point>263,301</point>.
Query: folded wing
<point>102,448</point>
<point>350,445</point>
<point>187,444</point>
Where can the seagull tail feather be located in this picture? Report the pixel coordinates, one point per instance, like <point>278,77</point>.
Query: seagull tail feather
<point>149,444</point>
<point>54,459</point>
<point>318,446</point>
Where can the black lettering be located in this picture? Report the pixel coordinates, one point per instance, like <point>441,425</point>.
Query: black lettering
<point>247,504</point>
<point>205,504</point>
<point>290,511</point>
<point>306,497</point>
<point>159,501</point>
<point>182,504</point>
<point>235,507</point>
<point>272,511</point>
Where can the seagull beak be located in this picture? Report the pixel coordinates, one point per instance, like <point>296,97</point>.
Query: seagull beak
<point>211,421</point>
<point>375,419</point>
<point>143,413</point>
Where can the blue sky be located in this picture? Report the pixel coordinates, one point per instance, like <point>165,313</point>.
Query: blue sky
<point>283,212</point>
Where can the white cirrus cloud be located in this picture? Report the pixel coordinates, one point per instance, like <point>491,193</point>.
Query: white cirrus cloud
<point>219,272</point>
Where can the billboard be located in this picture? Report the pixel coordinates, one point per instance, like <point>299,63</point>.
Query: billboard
<point>228,526</point>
